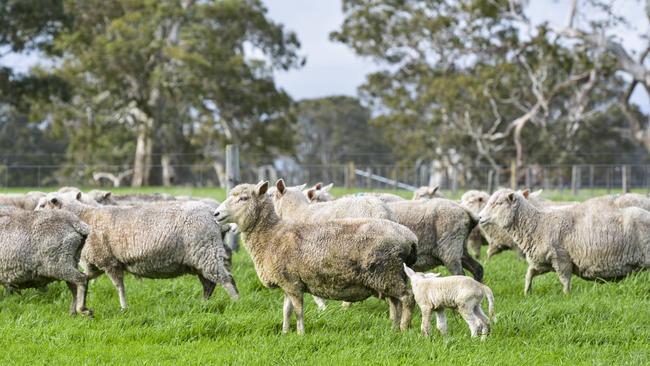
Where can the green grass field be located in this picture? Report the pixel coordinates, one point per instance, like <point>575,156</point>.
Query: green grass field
<point>168,322</point>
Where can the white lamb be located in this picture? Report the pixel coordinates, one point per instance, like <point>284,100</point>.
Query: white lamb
<point>455,292</point>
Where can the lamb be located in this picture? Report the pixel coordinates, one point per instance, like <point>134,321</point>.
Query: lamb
<point>589,240</point>
<point>442,227</point>
<point>425,192</point>
<point>27,201</point>
<point>344,259</point>
<point>456,292</point>
<point>37,248</point>
<point>497,239</point>
<point>153,241</point>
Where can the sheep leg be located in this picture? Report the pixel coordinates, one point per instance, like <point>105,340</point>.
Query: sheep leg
<point>473,266</point>
<point>394,311</point>
<point>73,290</point>
<point>470,319</point>
<point>228,283</point>
<point>455,267</point>
<point>117,277</point>
<point>208,287</point>
<point>286,314</point>
<point>346,305</point>
<point>441,322</point>
<point>319,302</point>
<point>78,284</point>
<point>485,322</point>
<point>564,273</point>
<point>426,320</point>
<point>408,302</point>
<point>530,273</point>
<point>297,302</point>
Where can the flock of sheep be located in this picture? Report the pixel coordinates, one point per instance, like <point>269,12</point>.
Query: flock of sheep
<point>305,241</point>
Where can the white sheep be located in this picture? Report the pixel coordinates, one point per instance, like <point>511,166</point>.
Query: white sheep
<point>464,294</point>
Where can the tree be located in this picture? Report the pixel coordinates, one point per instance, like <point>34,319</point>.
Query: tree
<point>168,71</point>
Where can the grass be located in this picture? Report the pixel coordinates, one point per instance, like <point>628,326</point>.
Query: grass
<point>169,323</point>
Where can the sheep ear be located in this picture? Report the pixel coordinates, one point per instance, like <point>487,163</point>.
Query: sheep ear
<point>318,186</point>
<point>433,190</point>
<point>107,194</point>
<point>537,192</point>
<point>280,186</point>
<point>328,187</point>
<point>311,194</point>
<point>526,193</point>
<point>511,197</point>
<point>301,187</point>
<point>409,272</point>
<point>54,201</point>
<point>78,196</point>
<point>262,187</point>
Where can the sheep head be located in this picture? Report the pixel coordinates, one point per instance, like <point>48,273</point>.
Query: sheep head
<point>287,199</point>
<point>245,205</point>
<point>501,208</point>
<point>474,200</point>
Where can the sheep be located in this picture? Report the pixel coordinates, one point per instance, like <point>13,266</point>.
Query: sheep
<point>344,259</point>
<point>497,239</point>
<point>26,201</point>
<point>319,193</point>
<point>442,227</point>
<point>425,192</point>
<point>37,248</point>
<point>153,241</point>
<point>91,200</point>
<point>291,204</point>
<point>623,201</point>
<point>434,293</point>
<point>592,241</point>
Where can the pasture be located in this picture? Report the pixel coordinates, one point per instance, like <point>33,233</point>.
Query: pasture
<point>168,322</point>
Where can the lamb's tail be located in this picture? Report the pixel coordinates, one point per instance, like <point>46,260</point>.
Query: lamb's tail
<point>490,299</point>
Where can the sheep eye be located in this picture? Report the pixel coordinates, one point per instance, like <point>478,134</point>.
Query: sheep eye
<point>242,198</point>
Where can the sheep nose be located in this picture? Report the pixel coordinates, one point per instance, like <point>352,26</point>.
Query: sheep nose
<point>216,213</point>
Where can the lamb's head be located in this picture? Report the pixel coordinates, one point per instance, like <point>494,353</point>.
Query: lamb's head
<point>417,276</point>
<point>287,199</point>
<point>501,209</point>
<point>245,205</point>
<point>474,200</point>
<point>426,193</point>
<point>319,193</point>
<point>102,197</point>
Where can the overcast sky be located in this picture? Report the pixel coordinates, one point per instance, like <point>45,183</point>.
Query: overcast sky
<point>332,68</point>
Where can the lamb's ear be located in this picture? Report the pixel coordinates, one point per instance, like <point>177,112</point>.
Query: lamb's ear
<point>409,272</point>
<point>318,186</point>
<point>78,196</point>
<point>433,190</point>
<point>511,197</point>
<point>526,193</point>
<point>262,187</point>
<point>311,194</point>
<point>328,187</point>
<point>280,186</point>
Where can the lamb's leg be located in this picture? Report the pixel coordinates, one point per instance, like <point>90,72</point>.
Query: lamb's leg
<point>485,323</point>
<point>208,287</point>
<point>319,302</point>
<point>426,320</point>
<point>117,277</point>
<point>394,311</point>
<point>441,322</point>
<point>408,302</point>
<point>297,302</point>
<point>286,314</point>
<point>471,320</point>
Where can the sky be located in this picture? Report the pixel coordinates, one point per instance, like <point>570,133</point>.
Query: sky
<point>333,69</point>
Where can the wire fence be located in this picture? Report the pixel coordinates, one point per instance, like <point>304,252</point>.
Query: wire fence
<point>614,177</point>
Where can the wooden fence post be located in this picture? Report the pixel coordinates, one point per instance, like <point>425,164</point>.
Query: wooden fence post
<point>575,179</point>
<point>490,183</point>
<point>624,182</point>
<point>454,179</point>
<point>513,175</point>
<point>232,179</point>
<point>368,179</point>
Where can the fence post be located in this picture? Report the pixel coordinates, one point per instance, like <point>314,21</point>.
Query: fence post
<point>513,175</point>
<point>490,178</point>
<point>454,179</point>
<point>497,180</point>
<point>352,175</point>
<point>528,177</point>
<point>545,182</point>
<point>232,179</point>
<point>624,181</point>
<point>609,179</point>
<point>368,179</point>
<point>575,179</point>
<point>591,176</point>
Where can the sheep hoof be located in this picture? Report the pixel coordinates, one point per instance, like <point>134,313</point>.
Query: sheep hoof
<point>88,313</point>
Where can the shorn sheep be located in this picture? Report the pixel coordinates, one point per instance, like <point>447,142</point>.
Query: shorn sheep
<point>37,248</point>
<point>465,295</point>
<point>152,241</point>
<point>344,259</point>
<point>590,240</point>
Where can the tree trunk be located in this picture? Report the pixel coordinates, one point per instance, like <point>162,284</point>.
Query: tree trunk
<point>168,174</point>
<point>143,148</point>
